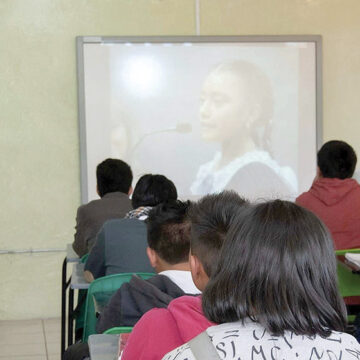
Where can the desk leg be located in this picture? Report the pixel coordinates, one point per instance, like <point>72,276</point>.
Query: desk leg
<point>71,316</point>
<point>63,306</point>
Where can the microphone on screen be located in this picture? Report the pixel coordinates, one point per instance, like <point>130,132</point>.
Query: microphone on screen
<point>181,128</point>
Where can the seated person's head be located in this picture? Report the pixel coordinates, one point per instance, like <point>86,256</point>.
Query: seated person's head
<point>210,219</point>
<point>151,190</point>
<point>336,159</point>
<point>168,234</point>
<point>113,175</point>
<point>278,268</point>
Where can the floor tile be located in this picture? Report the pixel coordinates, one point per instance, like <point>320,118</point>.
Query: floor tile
<point>34,357</point>
<point>17,322</point>
<point>20,327</point>
<point>53,337</point>
<point>14,338</point>
<point>52,325</point>
<point>53,348</point>
<point>23,350</point>
<point>53,357</point>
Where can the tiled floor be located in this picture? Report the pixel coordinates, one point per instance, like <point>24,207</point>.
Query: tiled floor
<point>30,339</point>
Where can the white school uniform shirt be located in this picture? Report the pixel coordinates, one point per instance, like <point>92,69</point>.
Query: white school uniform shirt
<point>182,279</point>
<point>216,180</point>
<point>251,341</point>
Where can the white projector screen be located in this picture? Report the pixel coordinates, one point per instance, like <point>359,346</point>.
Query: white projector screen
<point>210,113</point>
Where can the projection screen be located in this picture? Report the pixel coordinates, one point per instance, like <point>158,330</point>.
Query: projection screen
<point>210,113</point>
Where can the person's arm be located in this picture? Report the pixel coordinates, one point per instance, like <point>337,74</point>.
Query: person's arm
<point>111,314</point>
<point>88,276</point>
<point>95,264</point>
<point>79,244</point>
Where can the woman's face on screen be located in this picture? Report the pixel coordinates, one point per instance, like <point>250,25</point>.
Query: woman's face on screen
<point>223,109</point>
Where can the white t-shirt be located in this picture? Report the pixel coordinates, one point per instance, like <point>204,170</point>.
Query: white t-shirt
<point>183,280</point>
<point>252,342</point>
<point>210,180</point>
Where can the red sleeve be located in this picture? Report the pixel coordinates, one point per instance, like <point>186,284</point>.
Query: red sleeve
<point>154,335</point>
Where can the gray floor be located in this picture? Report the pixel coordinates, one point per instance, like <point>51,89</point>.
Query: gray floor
<point>30,339</point>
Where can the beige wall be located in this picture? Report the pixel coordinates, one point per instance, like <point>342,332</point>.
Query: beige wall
<point>39,186</point>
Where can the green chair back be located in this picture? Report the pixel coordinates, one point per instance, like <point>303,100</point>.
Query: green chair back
<point>349,283</point>
<point>106,285</point>
<point>119,330</point>
<point>344,251</point>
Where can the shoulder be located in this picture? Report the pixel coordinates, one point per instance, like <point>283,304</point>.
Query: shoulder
<point>157,280</point>
<point>88,211</point>
<point>159,316</point>
<point>124,225</point>
<point>186,301</point>
<point>90,206</point>
<point>346,339</point>
<point>303,198</point>
<point>258,169</point>
<point>85,207</point>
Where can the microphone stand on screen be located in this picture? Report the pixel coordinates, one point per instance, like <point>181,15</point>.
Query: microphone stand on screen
<point>181,128</point>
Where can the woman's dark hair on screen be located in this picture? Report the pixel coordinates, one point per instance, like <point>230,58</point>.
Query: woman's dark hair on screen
<point>151,190</point>
<point>277,267</point>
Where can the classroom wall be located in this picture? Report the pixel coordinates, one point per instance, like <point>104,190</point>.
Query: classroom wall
<point>40,186</point>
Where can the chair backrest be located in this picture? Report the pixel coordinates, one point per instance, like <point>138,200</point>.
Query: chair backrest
<point>107,284</point>
<point>349,283</point>
<point>344,251</point>
<point>119,330</point>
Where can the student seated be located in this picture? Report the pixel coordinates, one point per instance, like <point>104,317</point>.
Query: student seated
<point>168,251</point>
<point>274,291</point>
<point>334,196</point>
<point>121,243</point>
<point>114,178</point>
<point>161,330</point>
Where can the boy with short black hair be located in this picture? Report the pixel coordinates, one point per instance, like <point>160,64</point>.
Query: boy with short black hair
<point>168,252</point>
<point>114,178</point>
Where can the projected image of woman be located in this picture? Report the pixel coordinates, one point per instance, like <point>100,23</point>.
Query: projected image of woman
<point>236,111</point>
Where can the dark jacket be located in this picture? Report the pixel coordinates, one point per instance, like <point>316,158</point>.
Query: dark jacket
<point>91,217</point>
<point>135,298</point>
<point>120,247</point>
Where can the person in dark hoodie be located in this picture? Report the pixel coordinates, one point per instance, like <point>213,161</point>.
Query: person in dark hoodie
<point>334,196</point>
<point>168,251</point>
<point>161,330</point>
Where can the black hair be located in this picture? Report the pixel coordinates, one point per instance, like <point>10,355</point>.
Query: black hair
<point>336,159</point>
<point>277,267</point>
<point>151,190</point>
<point>210,220</point>
<point>113,175</point>
<point>168,229</point>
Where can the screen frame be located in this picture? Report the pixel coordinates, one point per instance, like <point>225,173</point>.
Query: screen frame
<point>83,40</point>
